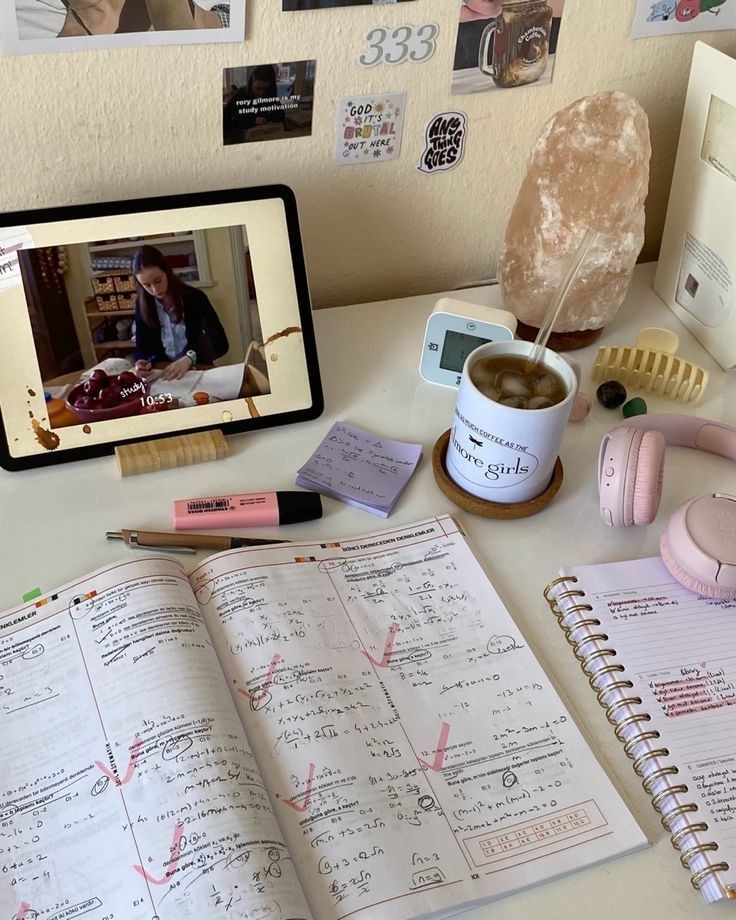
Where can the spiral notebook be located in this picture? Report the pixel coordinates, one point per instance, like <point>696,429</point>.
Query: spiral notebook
<point>662,661</point>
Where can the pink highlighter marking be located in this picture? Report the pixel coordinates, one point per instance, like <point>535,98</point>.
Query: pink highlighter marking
<point>308,795</point>
<point>23,910</point>
<point>171,865</point>
<point>135,752</point>
<point>439,757</point>
<point>387,648</point>
<point>263,689</point>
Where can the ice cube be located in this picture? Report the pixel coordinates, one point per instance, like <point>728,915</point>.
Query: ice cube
<point>545,385</point>
<point>490,391</point>
<point>510,383</point>
<point>483,377</point>
<point>539,402</point>
<point>514,402</point>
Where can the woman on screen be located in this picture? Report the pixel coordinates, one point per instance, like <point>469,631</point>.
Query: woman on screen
<point>175,323</point>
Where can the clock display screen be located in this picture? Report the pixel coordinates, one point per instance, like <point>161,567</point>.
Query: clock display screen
<point>456,348</point>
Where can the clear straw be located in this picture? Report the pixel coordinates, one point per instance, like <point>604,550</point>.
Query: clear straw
<point>553,311</point>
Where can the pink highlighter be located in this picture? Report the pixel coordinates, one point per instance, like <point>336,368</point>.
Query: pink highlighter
<point>251,509</point>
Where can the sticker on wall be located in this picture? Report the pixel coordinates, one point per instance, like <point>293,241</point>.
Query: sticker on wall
<point>12,240</point>
<point>369,128</point>
<point>673,17</point>
<point>267,102</point>
<point>40,26</point>
<point>415,44</point>
<point>501,45</point>
<point>444,142</point>
<point>292,5</point>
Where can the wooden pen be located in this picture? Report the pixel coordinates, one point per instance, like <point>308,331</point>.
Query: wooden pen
<point>185,542</point>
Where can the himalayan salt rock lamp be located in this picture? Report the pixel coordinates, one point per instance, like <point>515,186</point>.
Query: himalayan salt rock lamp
<point>589,168</point>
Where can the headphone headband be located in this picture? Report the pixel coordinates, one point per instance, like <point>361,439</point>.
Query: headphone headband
<point>689,431</point>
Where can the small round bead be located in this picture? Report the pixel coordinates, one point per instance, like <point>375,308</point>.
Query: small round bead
<point>635,406</point>
<point>611,394</point>
<point>580,407</point>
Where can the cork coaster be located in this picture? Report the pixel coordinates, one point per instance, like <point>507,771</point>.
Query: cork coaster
<point>481,507</point>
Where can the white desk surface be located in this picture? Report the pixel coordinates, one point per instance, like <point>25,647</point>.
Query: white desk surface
<point>54,522</point>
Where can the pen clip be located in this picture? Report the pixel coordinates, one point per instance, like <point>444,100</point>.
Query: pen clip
<point>185,550</point>
<point>131,539</point>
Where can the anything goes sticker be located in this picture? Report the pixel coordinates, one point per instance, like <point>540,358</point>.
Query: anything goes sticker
<point>444,141</point>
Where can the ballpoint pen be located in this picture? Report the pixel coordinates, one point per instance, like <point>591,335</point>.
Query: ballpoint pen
<point>184,542</point>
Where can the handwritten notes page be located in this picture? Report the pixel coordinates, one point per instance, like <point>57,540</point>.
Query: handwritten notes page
<point>360,469</point>
<point>679,651</point>
<point>416,755</point>
<point>129,790</point>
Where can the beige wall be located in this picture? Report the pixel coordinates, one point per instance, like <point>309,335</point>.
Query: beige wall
<point>136,122</point>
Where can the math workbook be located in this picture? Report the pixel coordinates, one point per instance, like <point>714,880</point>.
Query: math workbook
<point>308,730</point>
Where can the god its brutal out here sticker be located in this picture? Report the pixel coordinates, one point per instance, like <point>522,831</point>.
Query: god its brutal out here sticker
<point>444,141</point>
<point>369,128</point>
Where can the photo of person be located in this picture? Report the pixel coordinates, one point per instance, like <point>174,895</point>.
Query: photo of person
<point>291,5</point>
<point>267,102</point>
<point>63,25</point>
<point>503,44</point>
<point>174,322</point>
<point>135,325</point>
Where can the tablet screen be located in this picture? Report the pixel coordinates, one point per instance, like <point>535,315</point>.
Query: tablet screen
<point>134,320</point>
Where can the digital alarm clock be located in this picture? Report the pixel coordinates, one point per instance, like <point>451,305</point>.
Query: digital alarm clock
<point>454,329</point>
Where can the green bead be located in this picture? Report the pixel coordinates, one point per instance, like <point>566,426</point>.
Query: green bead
<point>635,406</point>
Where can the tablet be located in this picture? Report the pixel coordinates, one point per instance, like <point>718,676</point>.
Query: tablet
<point>139,319</point>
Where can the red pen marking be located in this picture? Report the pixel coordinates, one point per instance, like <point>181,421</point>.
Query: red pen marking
<point>171,865</point>
<point>439,756</point>
<point>308,795</point>
<point>263,689</point>
<point>136,749</point>
<point>387,648</point>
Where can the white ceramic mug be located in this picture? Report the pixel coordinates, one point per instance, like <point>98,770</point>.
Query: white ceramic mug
<point>499,453</point>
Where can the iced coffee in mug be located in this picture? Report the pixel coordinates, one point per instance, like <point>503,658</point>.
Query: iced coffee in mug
<point>509,421</point>
<point>514,47</point>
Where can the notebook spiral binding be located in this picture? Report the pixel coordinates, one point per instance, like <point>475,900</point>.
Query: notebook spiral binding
<point>617,684</point>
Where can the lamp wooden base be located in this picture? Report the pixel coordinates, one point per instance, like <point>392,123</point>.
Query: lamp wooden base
<point>481,507</point>
<point>168,453</point>
<point>560,341</point>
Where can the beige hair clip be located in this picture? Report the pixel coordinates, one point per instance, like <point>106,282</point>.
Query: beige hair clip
<point>652,365</point>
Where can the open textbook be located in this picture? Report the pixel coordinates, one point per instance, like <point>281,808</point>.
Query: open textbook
<point>329,730</point>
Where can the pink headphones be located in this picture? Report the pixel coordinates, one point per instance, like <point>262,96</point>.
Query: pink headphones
<point>698,545</point>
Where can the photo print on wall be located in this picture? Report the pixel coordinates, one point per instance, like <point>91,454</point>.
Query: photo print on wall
<point>267,102</point>
<point>295,5</point>
<point>502,44</point>
<point>40,26</point>
<point>673,17</point>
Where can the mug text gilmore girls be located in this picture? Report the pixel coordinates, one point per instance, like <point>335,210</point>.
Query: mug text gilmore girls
<point>500,453</point>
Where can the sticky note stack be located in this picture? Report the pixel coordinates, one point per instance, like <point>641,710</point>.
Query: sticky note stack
<point>360,469</point>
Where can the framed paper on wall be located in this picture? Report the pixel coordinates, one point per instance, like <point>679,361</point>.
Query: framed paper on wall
<point>138,319</point>
<point>696,274</point>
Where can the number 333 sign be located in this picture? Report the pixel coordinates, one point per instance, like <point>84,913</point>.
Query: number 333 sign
<point>404,43</point>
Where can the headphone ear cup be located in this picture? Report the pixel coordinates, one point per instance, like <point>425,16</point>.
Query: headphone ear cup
<point>647,480</point>
<point>693,549</point>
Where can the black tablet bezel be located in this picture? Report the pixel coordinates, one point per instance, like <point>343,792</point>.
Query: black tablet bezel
<point>173,202</point>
